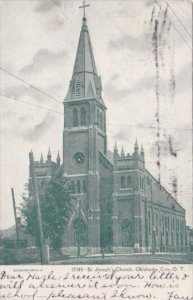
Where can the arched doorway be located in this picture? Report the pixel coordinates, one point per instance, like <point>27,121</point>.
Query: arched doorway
<point>80,234</point>
<point>109,239</point>
<point>127,233</point>
<point>167,242</point>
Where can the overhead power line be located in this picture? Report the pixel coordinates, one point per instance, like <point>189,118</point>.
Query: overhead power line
<point>35,105</point>
<point>179,20</point>
<point>149,127</point>
<point>174,26</point>
<point>189,3</point>
<point>123,124</point>
<point>29,84</point>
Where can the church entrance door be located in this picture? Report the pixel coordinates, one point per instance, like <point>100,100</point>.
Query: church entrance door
<point>80,234</point>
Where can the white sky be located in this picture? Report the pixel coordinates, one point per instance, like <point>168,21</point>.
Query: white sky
<point>38,41</point>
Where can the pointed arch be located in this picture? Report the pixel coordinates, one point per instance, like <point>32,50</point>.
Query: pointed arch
<point>84,186</point>
<point>78,89</point>
<point>127,233</point>
<point>72,187</point>
<point>75,117</point>
<point>78,187</point>
<point>129,181</point>
<point>83,116</point>
<point>80,233</point>
<point>98,118</point>
<point>102,120</point>
<point>149,223</point>
<point>122,182</point>
<point>109,236</point>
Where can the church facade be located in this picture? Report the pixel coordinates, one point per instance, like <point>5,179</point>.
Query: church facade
<point>118,205</point>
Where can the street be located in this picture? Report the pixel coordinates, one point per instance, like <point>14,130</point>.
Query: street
<point>130,259</point>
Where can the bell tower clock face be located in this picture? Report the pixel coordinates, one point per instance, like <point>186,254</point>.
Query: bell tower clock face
<point>79,158</point>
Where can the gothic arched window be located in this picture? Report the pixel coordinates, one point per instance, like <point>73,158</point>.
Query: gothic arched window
<point>109,208</point>
<point>163,227</point>
<point>80,233</point>
<point>78,88</point>
<point>75,117</point>
<point>84,186</point>
<point>122,182</point>
<point>166,223</point>
<point>72,187</point>
<point>129,183</point>
<point>172,239</point>
<point>78,187</point>
<point>82,116</point>
<point>98,117</point>
<point>156,223</point>
<point>127,239</point>
<point>109,236</point>
<point>142,183</point>
<point>102,121</point>
<point>182,241</point>
<point>149,223</point>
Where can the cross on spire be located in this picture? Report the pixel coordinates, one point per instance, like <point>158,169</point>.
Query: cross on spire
<point>84,5</point>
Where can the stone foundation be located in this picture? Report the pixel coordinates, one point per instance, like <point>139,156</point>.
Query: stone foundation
<point>143,250</point>
<point>123,250</point>
<point>84,251</point>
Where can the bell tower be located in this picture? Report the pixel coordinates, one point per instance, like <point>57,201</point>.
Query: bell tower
<point>84,137</point>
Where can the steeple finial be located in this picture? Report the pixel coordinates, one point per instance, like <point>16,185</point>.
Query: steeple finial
<point>41,158</point>
<point>84,5</point>
<point>122,152</point>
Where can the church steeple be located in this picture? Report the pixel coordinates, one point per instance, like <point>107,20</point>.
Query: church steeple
<point>85,82</point>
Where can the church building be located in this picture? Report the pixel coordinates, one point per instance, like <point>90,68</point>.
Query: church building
<point>118,205</point>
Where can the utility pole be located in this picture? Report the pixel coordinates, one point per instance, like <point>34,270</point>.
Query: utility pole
<point>44,258</point>
<point>78,236</point>
<point>15,215</point>
<point>153,226</point>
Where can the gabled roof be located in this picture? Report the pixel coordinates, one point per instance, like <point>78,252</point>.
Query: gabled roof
<point>161,196</point>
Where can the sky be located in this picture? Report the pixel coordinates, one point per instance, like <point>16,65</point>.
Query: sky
<point>143,54</point>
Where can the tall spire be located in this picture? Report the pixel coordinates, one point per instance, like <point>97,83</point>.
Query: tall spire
<point>85,82</point>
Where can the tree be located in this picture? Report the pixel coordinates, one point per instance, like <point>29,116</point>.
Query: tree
<point>56,208</point>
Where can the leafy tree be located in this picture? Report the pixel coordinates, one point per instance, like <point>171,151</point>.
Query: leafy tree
<point>56,208</point>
